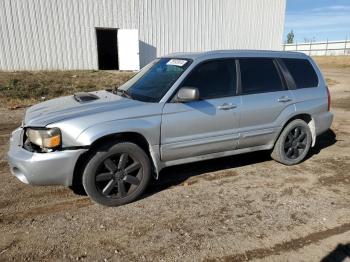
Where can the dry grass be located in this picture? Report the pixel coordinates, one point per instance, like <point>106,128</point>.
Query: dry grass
<point>331,82</point>
<point>24,88</point>
<point>333,61</point>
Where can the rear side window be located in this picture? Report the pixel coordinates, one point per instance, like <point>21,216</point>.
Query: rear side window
<point>259,75</point>
<point>302,72</point>
<point>214,79</point>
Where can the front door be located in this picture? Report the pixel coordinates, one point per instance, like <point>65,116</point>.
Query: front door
<point>208,125</point>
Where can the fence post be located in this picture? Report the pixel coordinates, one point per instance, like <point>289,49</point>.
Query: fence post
<point>310,48</point>
<point>346,41</point>
<point>327,47</point>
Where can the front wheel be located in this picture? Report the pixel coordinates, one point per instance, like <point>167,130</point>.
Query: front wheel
<point>293,144</point>
<point>117,174</point>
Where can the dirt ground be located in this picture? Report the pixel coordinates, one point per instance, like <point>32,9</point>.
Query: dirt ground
<point>239,208</point>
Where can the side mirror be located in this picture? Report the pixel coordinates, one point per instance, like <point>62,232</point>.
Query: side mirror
<point>187,94</point>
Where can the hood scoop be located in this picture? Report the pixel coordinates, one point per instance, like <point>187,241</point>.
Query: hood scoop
<point>82,97</point>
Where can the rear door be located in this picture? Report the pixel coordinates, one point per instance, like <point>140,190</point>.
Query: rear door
<point>265,98</point>
<point>208,125</point>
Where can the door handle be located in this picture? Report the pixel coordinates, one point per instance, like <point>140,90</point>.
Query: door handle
<point>284,99</point>
<point>226,106</point>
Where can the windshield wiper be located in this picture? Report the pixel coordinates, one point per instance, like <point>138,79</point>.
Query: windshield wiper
<point>123,93</point>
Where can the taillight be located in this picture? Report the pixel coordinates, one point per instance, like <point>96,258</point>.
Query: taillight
<point>329,98</point>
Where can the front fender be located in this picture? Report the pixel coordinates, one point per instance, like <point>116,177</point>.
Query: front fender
<point>149,127</point>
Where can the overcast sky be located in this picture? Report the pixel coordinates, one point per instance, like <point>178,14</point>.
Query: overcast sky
<point>319,19</point>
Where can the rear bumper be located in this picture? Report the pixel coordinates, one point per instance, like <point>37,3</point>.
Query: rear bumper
<point>323,122</point>
<point>54,168</point>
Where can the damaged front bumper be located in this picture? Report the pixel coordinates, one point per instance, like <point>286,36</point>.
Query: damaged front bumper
<point>53,168</point>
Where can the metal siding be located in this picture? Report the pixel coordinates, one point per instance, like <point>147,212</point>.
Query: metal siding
<point>60,34</point>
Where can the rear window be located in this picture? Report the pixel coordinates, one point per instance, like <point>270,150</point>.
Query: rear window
<point>259,75</point>
<point>302,72</point>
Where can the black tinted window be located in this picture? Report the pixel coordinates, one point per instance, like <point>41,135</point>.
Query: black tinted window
<point>302,72</point>
<point>259,75</point>
<point>214,79</point>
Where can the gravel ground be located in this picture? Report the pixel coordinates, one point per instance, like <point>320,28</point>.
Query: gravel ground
<point>239,208</point>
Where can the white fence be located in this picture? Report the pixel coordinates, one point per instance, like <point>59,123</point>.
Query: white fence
<point>321,48</point>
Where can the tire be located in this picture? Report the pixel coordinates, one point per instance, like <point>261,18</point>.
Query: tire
<point>293,144</point>
<point>117,174</point>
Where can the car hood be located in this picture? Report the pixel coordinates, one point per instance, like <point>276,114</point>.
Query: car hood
<point>69,107</point>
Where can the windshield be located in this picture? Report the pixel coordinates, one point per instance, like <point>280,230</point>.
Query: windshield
<point>154,80</point>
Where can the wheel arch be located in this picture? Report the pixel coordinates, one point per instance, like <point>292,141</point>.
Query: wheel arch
<point>132,137</point>
<point>305,117</point>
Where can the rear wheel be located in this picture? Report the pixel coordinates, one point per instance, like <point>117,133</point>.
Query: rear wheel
<point>293,144</point>
<point>117,174</point>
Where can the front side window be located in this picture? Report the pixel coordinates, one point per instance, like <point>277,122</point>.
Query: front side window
<point>259,75</point>
<point>155,79</point>
<point>213,79</point>
<point>302,72</point>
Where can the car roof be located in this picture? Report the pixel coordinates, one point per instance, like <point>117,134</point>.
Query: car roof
<point>236,53</point>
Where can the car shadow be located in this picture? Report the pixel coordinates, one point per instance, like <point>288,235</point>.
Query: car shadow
<point>339,254</point>
<point>176,175</point>
<point>325,140</point>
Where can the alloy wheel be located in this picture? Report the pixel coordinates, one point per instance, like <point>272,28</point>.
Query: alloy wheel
<point>295,143</point>
<point>118,176</point>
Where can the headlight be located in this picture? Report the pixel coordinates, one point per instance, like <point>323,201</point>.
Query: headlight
<point>44,137</point>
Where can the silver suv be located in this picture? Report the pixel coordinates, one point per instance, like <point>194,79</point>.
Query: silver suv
<point>180,108</point>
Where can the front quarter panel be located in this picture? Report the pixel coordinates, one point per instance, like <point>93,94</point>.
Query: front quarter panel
<point>149,127</point>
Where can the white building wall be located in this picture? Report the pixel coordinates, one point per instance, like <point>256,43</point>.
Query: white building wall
<point>60,34</point>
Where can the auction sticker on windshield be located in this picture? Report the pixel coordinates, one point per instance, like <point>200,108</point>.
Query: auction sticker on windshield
<point>177,62</point>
